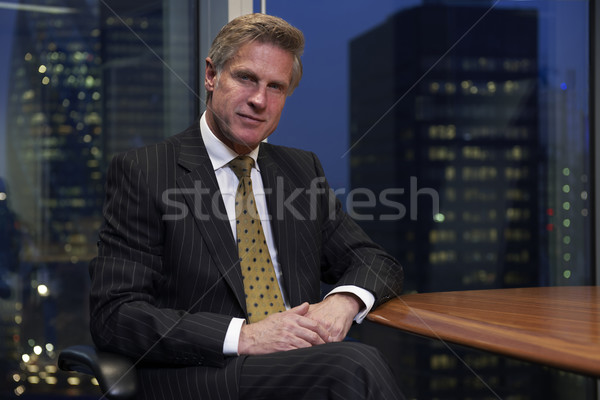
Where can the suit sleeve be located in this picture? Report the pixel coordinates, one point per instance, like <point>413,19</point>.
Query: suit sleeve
<point>350,257</point>
<point>126,313</point>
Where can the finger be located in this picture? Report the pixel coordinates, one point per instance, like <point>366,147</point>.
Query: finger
<point>325,324</point>
<point>315,327</point>
<point>294,322</point>
<point>333,330</point>
<point>305,335</point>
<point>302,309</point>
<point>304,328</point>
<point>290,333</point>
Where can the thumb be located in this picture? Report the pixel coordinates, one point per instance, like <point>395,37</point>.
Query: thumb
<point>302,309</point>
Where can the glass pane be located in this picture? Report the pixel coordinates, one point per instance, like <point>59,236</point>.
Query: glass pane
<point>466,123</point>
<point>81,81</point>
<point>489,140</point>
<point>456,133</point>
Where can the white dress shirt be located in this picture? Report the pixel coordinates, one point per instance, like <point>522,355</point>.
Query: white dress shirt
<point>220,155</point>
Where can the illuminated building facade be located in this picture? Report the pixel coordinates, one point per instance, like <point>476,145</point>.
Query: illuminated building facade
<point>88,79</point>
<point>462,142</point>
<point>445,129</point>
<point>54,125</point>
<point>149,73</point>
<point>133,108</point>
<point>54,154</point>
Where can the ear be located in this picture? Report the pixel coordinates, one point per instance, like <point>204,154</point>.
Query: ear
<point>210,76</point>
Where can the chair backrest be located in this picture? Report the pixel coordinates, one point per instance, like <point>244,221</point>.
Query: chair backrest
<point>115,373</point>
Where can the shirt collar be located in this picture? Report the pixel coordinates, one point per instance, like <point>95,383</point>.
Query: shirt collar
<point>219,153</point>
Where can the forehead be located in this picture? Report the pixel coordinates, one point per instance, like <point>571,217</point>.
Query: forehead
<point>263,57</point>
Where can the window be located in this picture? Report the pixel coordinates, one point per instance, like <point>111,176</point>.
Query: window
<point>82,81</point>
<point>490,100</point>
<point>497,107</point>
<point>477,109</point>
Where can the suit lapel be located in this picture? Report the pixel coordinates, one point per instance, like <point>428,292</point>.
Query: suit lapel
<point>277,190</point>
<point>199,187</point>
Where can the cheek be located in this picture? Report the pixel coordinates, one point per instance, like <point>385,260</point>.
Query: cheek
<point>277,105</point>
<point>223,103</point>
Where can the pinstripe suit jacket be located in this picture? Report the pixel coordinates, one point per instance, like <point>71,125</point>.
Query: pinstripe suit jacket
<point>167,281</point>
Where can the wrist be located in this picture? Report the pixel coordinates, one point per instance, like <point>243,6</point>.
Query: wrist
<point>245,342</point>
<point>349,301</point>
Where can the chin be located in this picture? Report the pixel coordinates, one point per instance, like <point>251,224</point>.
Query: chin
<point>252,141</point>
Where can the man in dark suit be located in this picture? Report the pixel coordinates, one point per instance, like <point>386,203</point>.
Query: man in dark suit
<point>178,283</point>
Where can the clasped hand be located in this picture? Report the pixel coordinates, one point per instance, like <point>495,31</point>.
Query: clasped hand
<point>303,326</point>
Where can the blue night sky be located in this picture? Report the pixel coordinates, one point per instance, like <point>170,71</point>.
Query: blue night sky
<point>316,115</point>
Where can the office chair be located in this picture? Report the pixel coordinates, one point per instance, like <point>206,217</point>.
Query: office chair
<point>115,373</point>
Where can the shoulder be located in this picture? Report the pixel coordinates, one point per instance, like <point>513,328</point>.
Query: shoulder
<point>286,154</point>
<point>300,165</point>
<point>163,153</point>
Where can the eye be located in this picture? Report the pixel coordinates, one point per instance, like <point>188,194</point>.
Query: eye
<point>276,86</point>
<point>244,77</point>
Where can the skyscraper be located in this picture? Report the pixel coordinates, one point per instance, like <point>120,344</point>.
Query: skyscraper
<point>462,143</point>
<point>444,123</point>
<point>54,152</point>
<point>148,73</point>
<point>88,79</point>
<point>53,131</point>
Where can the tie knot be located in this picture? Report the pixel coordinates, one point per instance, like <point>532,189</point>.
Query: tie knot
<point>242,166</point>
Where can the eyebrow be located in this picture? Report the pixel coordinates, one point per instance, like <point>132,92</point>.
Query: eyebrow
<point>246,71</point>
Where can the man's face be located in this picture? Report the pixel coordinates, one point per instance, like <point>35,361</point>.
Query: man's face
<point>249,95</point>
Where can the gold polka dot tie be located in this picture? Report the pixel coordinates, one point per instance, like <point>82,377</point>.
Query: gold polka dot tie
<point>263,296</point>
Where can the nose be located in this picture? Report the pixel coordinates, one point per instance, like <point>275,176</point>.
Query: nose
<point>258,99</point>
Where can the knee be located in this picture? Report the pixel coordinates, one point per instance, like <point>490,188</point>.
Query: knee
<point>358,352</point>
<point>363,368</point>
<point>357,359</point>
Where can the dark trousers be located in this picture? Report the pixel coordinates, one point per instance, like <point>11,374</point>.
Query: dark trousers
<point>344,371</point>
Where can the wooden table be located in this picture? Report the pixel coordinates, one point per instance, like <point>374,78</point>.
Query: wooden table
<point>556,326</point>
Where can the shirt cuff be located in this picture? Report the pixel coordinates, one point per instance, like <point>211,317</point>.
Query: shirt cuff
<point>363,294</point>
<point>232,337</point>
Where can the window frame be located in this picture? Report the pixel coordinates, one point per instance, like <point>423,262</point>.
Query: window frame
<point>595,131</point>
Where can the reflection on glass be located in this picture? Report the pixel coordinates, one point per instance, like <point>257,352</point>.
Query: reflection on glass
<point>87,79</point>
<point>494,109</point>
<point>495,116</point>
<point>485,104</point>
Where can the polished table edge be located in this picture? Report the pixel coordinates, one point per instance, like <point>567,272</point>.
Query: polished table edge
<point>561,328</point>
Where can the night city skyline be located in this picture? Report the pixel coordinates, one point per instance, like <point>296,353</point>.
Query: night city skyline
<point>78,86</point>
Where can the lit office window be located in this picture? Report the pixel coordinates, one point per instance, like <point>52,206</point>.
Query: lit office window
<point>80,82</point>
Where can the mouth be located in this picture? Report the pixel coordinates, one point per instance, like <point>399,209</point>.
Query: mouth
<point>250,118</point>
